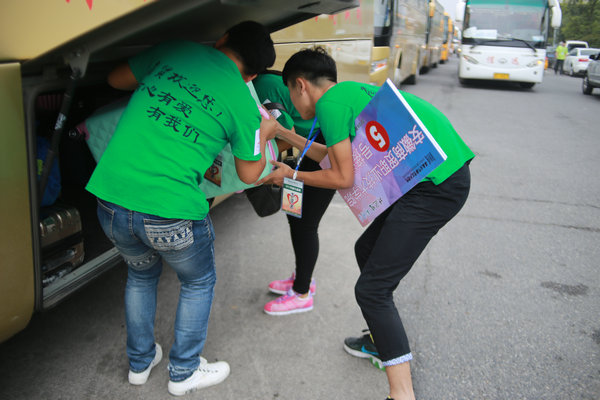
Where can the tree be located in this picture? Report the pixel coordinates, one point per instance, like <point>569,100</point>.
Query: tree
<point>581,21</point>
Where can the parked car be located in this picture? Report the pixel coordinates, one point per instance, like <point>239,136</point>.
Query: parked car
<point>550,56</point>
<point>577,60</point>
<point>571,44</point>
<point>591,79</point>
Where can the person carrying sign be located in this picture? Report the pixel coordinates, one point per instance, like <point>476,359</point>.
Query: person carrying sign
<point>298,289</point>
<point>391,244</point>
<point>190,100</point>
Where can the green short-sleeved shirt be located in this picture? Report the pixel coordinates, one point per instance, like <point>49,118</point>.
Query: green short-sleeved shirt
<point>270,87</point>
<point>191,101</point>
<point>561,52</point>
<point>338,108</point>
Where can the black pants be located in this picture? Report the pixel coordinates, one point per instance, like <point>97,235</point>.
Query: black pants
<point>390,246</point>
<point>558,66</point>
<point>304,231</point>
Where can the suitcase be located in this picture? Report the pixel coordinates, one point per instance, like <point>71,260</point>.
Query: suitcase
<point>62,242</point>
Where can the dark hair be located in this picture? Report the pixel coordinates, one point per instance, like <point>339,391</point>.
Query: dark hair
<point>312,64</point>
<point>251,42</point>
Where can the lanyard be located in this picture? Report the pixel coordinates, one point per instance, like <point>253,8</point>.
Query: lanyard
<point>311,139</point>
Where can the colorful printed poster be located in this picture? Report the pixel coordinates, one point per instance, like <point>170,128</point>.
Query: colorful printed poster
<point>392,152</point>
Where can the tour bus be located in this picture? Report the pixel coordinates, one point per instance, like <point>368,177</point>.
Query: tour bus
<point>380,39</point>
<point>434,35</point>
<point>54,59</point>
<point>505,39</point>
<point>447,38</point>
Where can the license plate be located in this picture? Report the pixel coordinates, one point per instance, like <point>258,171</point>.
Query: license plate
<point>500,76</point>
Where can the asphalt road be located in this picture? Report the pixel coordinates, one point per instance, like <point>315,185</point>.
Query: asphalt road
<point>503,304</point>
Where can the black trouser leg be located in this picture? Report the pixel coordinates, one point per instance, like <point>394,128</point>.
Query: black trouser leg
<point>305,234</point>
<point>305,231</point>
<point>391,245</point>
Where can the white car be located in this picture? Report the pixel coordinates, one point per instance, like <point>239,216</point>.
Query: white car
<point>577,60</point>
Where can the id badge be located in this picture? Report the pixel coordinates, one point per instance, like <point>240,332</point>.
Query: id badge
<point>291,197</point>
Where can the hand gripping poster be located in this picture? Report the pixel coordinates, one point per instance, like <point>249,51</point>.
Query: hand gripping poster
<point>391,153</point>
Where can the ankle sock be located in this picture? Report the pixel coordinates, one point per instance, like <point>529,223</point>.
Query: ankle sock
<point>299,297</point>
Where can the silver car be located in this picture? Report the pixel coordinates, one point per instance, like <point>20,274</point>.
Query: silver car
<point>591,79</point>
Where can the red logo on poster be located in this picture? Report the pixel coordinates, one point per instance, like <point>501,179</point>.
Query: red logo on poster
<point>378,136</point>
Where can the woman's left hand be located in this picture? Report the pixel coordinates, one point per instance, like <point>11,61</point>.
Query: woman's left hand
<point>276,176</point>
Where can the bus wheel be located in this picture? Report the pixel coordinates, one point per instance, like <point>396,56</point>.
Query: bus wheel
<point>411,80</point>
<point>526,85</point>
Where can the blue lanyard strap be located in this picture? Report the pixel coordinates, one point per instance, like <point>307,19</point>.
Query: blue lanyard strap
<point>311,139</point>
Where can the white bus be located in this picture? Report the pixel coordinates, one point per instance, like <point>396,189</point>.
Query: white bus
<point>505,39</point>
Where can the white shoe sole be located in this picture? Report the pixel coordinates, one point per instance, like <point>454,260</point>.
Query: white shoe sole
<point>295,311</point>
<point>374,360</point>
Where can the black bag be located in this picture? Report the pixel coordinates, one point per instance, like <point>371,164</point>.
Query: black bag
<point>265,199</point>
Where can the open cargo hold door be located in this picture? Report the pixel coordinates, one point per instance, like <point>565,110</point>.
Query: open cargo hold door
<point>16,282</point>
<point>115,40</point>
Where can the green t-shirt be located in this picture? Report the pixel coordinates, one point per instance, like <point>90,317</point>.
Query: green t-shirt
<point>270,87</point>
<point>191,101</point>
<point>561,52</point>
<point>338,108</point>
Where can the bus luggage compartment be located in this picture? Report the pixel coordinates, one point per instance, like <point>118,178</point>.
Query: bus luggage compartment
<point>62,242</point>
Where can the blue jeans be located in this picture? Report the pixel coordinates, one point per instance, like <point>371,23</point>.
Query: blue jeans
<point>144,241</point>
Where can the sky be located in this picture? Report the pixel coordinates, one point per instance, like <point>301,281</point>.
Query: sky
<point>449,7</point>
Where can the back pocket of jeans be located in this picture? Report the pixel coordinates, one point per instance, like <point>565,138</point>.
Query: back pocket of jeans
<point>169,235</point>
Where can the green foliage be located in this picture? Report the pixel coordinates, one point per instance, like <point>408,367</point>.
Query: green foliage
<point>581,21</point>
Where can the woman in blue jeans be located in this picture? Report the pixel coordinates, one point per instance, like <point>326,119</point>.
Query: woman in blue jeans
<point>189,101</point>
<point>144,241</point>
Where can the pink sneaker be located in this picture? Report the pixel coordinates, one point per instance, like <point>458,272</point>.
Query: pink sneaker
<point>285,285</point>
<point>290,303</point>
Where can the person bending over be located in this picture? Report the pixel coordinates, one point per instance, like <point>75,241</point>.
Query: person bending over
<point>391,244</point>
<point>190,100</point>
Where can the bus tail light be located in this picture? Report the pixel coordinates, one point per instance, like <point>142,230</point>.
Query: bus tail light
<point>378,65</point>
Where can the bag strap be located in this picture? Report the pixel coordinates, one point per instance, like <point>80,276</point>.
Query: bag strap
<point>271,150</point>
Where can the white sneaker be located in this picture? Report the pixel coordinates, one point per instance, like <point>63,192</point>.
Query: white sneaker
<point>207,374</point>
<point>139,378</point>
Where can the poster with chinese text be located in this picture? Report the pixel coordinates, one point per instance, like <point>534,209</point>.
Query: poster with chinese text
<point>392,152</point>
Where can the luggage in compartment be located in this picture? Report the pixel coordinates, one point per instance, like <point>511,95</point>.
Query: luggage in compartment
<point>62,242</point>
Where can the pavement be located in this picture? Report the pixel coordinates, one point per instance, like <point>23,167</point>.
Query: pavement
<point>503,304</point>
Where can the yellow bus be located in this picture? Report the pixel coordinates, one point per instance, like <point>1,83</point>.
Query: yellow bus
<point>447,46</point>
<point>54,59</point>
<point>380,39</point>
<point>434,35</point>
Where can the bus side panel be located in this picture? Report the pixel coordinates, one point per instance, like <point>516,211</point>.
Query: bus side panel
<point>356,23</point>
<point>43,25</point>
<point>16,253</point>
<point>410,25</point>
<point>347,37</point>
<point>352,57</point>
